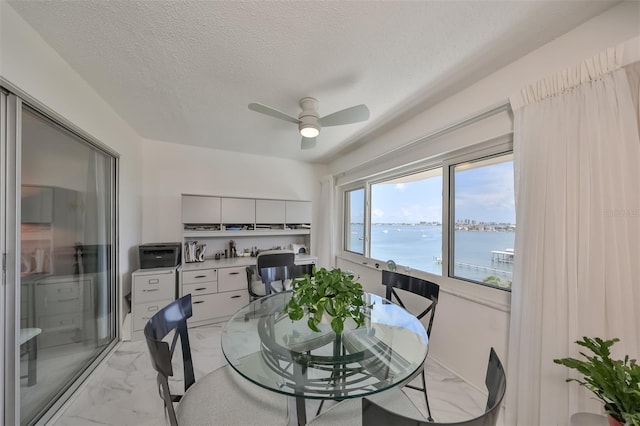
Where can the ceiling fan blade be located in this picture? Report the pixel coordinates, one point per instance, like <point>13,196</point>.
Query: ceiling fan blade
<point>354,114</point>
<point>308,143</point>
<point>263,109</point>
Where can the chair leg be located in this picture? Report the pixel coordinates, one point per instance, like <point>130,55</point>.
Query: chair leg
<point>165,394</point>
<point>423,389</point>
<point>426,398</point>
<point>32,359</point>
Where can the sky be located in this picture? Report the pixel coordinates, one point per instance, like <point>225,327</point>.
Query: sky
<point>483,194</point>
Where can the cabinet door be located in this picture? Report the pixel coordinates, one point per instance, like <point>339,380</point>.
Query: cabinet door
<point>200,209</point>
<point>238,210</point>
<point>270,211</point>
<point>298,211</point>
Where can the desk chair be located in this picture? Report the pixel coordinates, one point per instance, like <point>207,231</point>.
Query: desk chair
<point>426,289</point>
<point>270,258</point>
<point>275,274</point>
<point>374,414</point>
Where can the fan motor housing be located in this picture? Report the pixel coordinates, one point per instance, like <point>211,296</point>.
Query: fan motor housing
<point>309,115</point>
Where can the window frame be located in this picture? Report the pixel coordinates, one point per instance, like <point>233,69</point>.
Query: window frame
<point>500,145</point>
<point>346,219</point>
<point>451,165</point>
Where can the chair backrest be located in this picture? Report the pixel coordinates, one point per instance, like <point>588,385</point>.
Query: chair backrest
<point>269,258</point>
<point>424,288</point>
<point>171,318</point>
<point>275,273</point>
<point>496,381</point>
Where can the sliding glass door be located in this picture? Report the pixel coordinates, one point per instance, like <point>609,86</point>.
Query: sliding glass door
<point>61,299</point>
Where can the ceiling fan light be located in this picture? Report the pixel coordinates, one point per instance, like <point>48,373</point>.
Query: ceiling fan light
<point>309,131</point>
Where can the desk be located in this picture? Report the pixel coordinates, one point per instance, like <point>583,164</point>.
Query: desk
<point>262,344</point>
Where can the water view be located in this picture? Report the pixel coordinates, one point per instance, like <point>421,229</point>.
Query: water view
<point>419,246</point>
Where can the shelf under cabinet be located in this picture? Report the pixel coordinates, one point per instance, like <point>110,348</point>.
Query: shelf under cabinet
<point>256,233</point>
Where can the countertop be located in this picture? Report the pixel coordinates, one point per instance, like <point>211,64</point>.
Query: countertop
<point>301,259</point>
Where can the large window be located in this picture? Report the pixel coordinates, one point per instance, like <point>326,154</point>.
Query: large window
<point>459,223</point>
<point>483,225</point>
<point>406,220</point>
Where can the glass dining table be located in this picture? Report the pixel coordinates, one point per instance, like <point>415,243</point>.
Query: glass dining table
<point>262,344</point>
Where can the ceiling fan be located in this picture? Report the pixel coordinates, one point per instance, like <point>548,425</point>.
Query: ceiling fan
<point>309,121</point>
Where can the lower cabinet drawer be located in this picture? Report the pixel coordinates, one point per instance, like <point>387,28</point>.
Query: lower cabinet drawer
<point>147,288</point>
<point>232,278</point>
<point>211,306</point>
<point>190,277</point>
<point>60,330</point>
<point>59,298</point>
<point>54,323</point>
<point>143,312</point>
<point>200,288</point>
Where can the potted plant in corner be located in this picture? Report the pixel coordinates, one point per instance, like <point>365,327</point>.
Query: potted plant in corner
<point>332,292</point>
<point>614,382</point>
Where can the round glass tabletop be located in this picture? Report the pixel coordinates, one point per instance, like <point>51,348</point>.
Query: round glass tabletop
<point>262,344</point>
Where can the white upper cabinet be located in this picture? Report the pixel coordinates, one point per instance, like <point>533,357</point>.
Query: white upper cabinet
<point>238,210</point>
<point>37,204</point>
<point>270,211</point>
<point>298,212</point>
<point>200,209</point>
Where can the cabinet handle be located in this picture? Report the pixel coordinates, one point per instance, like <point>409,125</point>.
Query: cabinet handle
<point>199,301</point>
<point>150,289</point>
<point>234,273</point>
<point>236,296</point>
<point>200,276</point>
<point>68,300</point>
<point>200,289</point>
<point>154,281</point>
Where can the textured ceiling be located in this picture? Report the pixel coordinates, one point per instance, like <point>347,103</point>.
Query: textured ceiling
<point>184,71</point>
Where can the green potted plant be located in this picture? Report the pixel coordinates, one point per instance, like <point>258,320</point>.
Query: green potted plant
<point>332,292</point>
<point>614,382</point>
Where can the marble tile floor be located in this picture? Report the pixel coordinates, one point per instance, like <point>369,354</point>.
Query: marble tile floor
<point>123,389</point>
<point>55,366</point>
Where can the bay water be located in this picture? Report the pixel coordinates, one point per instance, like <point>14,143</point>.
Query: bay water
<point>420,247</point>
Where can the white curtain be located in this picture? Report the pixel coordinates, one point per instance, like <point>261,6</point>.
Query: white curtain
<point>97,221</point>
<point>325,231</point>
<point>577,265</point>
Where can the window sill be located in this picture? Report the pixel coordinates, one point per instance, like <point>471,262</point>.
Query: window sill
<point>487,296</point>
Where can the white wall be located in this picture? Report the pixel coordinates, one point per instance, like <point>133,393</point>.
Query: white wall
<point>30,64</point>
<point>465,330</point>
<point>170,170</point>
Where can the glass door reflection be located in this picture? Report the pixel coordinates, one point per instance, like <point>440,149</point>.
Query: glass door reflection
<point>66,285</point>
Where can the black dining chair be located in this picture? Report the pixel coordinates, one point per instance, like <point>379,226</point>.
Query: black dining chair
<point>171,318</point>
<point>220,397</point>
<point>428,290</point>
<point>496,382</point>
